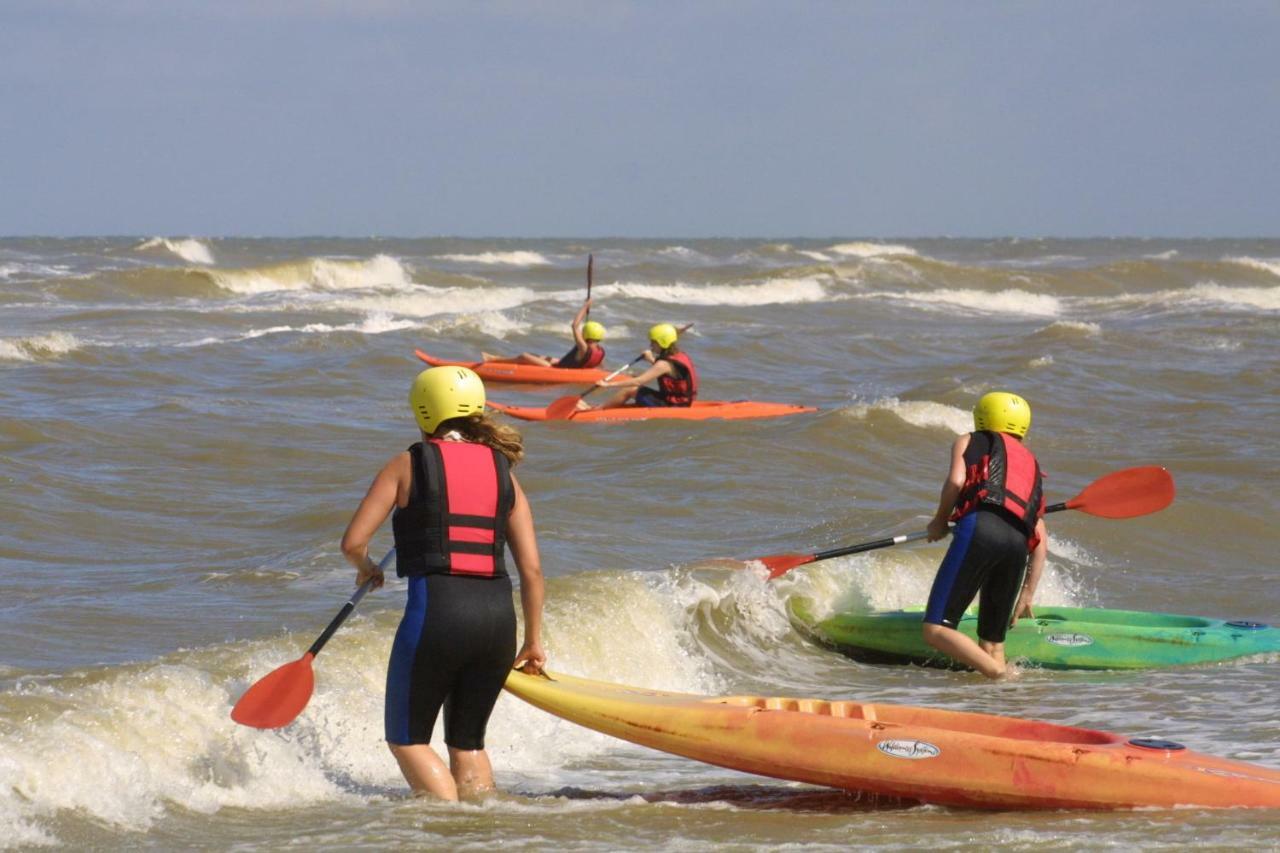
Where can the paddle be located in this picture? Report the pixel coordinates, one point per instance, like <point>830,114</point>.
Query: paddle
<point>278,697</point>
<point>1121,494</point>
<point>564,408</point>
<point>591,259</point>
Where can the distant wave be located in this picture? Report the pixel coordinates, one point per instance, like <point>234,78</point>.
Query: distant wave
<point>315,274</point>
<point>871,250</point>
<point>1200,295</point>
<point>980,301</point>
<point>1071,328</point>
<point>188,249</point>
<point>38,347</point>
<point>774,292</point>
<point>921,413</point>
<point>32,272</point>
<point>514,259</point>
<point>1270,265</point>
<point>430,301</point>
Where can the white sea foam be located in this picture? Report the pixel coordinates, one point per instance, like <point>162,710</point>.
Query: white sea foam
<point>861,249</point>
<point>979,301</point>
<point>38,346</point>
<point>321,274</point>
<point>921,413</point>
<point>511,259</point>
<point>31,272</point>
<point>817,256</point>
<point>188,249</point>
<point>773,292</point>
<point>432,301</point>
<point>1040,361</point>
<point>1266,298</point>
<point>1271,265</point>
<point>1079,327</point>
<point>1163,256</point>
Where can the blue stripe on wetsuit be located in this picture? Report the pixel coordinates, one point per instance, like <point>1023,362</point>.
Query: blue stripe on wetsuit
<point>961,539</point>
<point>400,669</point>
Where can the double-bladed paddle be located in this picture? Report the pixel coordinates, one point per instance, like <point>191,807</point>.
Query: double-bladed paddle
<point>563,409</point>
<point>278,697</point>
<point>1120,494</point>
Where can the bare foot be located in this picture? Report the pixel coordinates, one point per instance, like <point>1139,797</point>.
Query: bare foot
<point>488,356</point>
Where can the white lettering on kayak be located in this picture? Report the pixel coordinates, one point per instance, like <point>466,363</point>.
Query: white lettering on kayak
<point>913,749</point>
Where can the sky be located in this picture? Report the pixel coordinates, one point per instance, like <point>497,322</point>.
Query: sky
<point>599,118</point>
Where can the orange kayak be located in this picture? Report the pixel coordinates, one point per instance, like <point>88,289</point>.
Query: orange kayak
<point>701,410</point>
<point>498,371</point>
<point>932,756</point>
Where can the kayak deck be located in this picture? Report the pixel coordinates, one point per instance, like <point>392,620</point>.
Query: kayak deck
<point>910,753</point>
<point>501,371</point>
<point>1055,638</point>
<point>701,410</point>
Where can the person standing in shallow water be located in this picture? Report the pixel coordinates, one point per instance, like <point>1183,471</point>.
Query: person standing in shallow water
<point>994,495</point>
<point>454,506</point>
<point>587,350</point>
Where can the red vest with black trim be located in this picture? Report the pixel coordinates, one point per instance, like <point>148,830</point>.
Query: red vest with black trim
<point>679,390</point>
<point>456,520</point>
<point>595,355</point>
<point>1001,472</point>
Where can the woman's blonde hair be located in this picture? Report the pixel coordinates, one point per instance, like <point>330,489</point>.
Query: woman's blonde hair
<point>482,429</point>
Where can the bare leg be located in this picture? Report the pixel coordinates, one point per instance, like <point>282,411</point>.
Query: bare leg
<point>618,400</point>
<point>959,647</point>
<point>522,358</point>
<point>425,771</point>
<point>472,772</point>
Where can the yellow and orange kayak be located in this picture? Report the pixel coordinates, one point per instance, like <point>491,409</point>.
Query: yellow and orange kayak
<point>701,410</point>
<point>500,371</point>
<point>933,756</point>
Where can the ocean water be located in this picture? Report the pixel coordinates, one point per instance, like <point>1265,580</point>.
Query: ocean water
<point>186,425</point>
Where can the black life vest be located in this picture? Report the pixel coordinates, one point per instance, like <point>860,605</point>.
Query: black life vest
<point>682,389</point>
<point>1001,472</point>
<point>595,355</point>
<point>456,520</point>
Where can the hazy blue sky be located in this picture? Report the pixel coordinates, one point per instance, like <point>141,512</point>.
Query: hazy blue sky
<point>609,117</point>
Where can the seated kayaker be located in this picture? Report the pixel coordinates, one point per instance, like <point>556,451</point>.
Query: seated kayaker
<point>673,370</point>
<point>587,351</point>
<point>993,494</point>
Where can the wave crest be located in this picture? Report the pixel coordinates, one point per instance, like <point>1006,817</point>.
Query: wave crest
<point>514,259</point>
<point>38,347</point>
<point>189,249</point>
<point>775,292</point>
<point>316,274</point>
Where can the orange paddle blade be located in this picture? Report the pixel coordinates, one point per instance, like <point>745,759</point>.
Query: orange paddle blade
<point>278,697</point>
<point>779,564</point>
<point>1127,493</point>
<point>563,408</point>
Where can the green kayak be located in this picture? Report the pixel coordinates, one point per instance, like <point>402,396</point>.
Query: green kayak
<point>1057,638</point>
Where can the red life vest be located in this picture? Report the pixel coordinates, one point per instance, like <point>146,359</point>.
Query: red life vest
<point>1001,472</point>
<point>595,355</point>
<point>682,389</point>
<point>456,520</point>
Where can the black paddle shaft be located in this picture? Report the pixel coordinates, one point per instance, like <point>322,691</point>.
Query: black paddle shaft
<point>347,608</point>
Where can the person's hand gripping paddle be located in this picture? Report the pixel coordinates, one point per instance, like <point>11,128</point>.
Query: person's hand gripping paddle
<point>278,697</point>
<point>1120,494</point>
<point>565,407</point>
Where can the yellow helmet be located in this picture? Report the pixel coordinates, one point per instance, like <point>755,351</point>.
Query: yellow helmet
<point>1000,411</point>
<point>592,331</point>
<point>441,393</point>
<point>664,335</point>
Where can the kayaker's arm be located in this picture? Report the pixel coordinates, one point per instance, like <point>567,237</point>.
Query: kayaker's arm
<point>1034,569</point>
<point>662,368</point>
<point>578,320</point>
<point>950,490</point>
<point>524,547</point>
<point>377,504</point>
